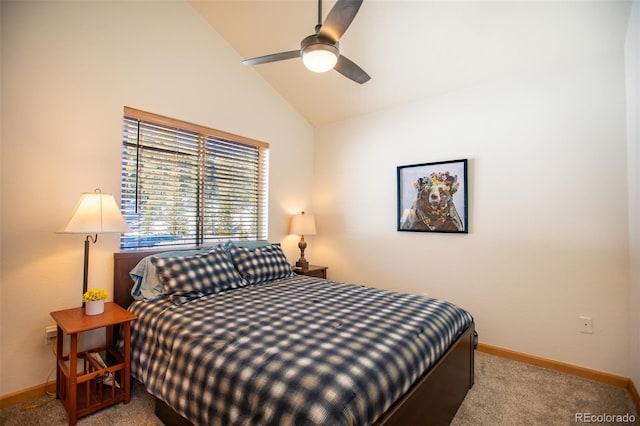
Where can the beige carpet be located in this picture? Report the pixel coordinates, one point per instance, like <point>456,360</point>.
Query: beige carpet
<point>512,393</point>
<point>505,393</point>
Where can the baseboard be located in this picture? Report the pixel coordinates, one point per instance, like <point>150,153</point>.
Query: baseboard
<point>587,373</point>
<point>27,394</point>
<point>634,394</point>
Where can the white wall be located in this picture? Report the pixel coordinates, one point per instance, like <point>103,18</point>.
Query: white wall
<point>548,237</point>
<point>68,68</point>
<point>632,55</point>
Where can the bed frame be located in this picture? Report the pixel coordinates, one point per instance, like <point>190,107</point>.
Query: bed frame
<point>433,400</point>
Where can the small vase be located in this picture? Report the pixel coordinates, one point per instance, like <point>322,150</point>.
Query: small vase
<point>94,307</point>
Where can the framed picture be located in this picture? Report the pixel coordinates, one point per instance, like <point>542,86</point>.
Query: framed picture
<point>432,197</point>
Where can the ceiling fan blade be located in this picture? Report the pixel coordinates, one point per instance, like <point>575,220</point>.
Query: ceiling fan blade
<point>350,70</point>
<point>273,57</point>
<point>339,19</point>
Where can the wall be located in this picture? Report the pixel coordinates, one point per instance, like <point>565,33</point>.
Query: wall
<point>548,237</point>
<point>68,68</point>
<point>632,54</point>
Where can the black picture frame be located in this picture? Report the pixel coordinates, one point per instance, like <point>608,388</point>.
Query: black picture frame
<point>433,197</point>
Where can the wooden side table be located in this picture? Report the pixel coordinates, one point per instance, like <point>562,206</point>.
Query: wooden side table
<point>95,378</point>
<point>313,271</point>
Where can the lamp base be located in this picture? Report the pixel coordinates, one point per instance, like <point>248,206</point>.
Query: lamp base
<point>302,262</point>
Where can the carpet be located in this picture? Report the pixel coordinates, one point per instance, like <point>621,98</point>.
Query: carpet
<point>511,393</point>
<point>506,392</point>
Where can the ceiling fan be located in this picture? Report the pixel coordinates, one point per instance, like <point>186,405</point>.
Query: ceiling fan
<point>320,51</point>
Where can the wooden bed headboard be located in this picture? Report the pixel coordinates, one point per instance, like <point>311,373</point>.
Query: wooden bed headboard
<point>122,282</point>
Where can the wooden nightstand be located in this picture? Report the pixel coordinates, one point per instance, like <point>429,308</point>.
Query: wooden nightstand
<point>83,383</point>
<point>313,271</point>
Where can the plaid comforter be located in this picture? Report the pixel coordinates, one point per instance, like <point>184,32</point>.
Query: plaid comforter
<point>298,350</point>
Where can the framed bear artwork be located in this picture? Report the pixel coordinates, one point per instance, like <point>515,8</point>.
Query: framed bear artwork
<point>432,197</point>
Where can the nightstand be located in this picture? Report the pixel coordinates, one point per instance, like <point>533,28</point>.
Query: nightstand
<point>313,271</point>
<point>95,378</point>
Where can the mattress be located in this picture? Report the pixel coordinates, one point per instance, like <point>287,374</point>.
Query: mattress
<point>297,350</point>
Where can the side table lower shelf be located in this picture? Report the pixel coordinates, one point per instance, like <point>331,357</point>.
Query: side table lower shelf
<point>98,384</point>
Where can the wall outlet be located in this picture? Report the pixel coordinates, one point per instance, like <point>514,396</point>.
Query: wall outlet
<point>50,334</point>
<point>586,325</point>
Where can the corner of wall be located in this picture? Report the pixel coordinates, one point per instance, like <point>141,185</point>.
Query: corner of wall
<point>632,70</point>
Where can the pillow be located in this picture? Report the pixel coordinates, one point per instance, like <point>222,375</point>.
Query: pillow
<point>260,264</point>
<point>189,277</point>
<point>145,278</point>
<point>244,243</point>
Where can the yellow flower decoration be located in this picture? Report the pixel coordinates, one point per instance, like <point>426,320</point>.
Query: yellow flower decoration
<point>94,294</point>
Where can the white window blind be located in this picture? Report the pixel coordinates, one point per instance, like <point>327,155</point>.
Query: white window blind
<point>184,184</point>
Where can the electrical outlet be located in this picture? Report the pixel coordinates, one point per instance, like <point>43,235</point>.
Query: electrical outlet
<point>586,325</point>
<point>50,334</point>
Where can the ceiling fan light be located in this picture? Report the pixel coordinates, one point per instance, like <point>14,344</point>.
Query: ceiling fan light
<point>320,57</point>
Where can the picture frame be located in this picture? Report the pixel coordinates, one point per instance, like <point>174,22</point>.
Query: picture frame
<point>433,197</point>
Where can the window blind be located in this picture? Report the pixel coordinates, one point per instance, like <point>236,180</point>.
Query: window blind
<point>184,184</point>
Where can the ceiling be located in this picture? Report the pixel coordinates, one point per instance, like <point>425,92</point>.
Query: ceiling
<point>418,48</point>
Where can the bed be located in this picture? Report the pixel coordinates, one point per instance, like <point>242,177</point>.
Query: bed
<point>195,350</point>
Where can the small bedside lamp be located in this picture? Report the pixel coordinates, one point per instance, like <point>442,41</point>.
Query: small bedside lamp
<point>302,224</point>
<point>95,213</point>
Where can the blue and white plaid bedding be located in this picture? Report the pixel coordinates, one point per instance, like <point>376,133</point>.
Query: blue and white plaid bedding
<point>294,351</point>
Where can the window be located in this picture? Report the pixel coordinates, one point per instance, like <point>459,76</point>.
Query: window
<point>184,184</point>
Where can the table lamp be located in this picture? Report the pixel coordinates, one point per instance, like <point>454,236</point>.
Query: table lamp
<point>302,224</point>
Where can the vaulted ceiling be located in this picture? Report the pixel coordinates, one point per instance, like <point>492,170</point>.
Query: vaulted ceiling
<point>414,49</point>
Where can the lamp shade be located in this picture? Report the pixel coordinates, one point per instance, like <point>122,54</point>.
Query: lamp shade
<point>303,224</point>
<point>96,213</point>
